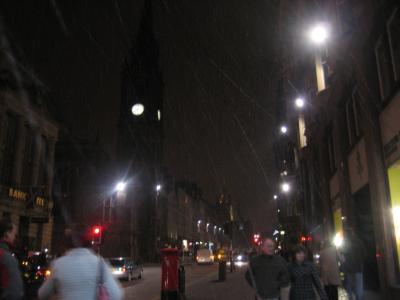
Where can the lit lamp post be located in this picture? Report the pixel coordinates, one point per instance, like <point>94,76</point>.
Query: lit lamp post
<point>119,189</point>
<point>157,215</point>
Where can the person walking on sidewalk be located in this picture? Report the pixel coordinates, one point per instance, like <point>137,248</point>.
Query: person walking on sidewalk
<point>80,274</point>
<point>11,285</point>
<point>330,273</point>
<point>268,273</point>
<point>304,278</point>
<point>352,257</point>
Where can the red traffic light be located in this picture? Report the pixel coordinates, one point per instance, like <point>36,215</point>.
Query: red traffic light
<point>303,238</point>
<point>96,234</point>
<point>96,230</point>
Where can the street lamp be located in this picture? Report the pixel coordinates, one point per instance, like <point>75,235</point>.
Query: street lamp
<point>137,109</point>
<point>319,34</point>
<point>158,187</point>
<point>275,197</point>
<point>284,129</point>
<point>299,102</point>
<point>120,187</point>
<point>285,187</point>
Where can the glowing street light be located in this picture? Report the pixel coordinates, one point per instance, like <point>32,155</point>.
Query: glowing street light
<point>158,187</point>
<point>275,197</point>
<point>319,34</point>
<point>137,109</point>
<point>284,129</point>
<point>299,102</point>
<point>285,187</point>
<point>120,187</point>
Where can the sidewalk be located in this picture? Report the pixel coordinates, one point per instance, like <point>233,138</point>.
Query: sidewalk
<point>369,295</point>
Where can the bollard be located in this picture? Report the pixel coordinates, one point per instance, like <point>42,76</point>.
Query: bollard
<point>222,270</point>
<point>182,280</point>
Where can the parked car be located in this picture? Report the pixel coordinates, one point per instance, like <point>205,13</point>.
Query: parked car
<point>204,256</point>
<point>125,268</point>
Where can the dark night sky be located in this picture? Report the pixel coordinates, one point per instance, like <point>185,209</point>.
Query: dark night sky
<point>216,58</point>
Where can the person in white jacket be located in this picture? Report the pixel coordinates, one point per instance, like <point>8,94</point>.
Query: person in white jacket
<point>78,273</point>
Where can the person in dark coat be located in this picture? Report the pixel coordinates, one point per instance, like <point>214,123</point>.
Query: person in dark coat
<point>304,278</point>
<point>268,273</point>
<point>11,284</point>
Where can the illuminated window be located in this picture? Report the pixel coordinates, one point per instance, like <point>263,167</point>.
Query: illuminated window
<point>394,187</point>
<point>322,70</point>
<point>302,132</point>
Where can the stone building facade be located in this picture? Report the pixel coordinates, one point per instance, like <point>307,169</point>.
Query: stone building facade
<point>345,138</point>
<point>27,139</point>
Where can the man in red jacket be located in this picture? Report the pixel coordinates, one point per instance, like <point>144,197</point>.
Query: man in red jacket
<point>11,285</point>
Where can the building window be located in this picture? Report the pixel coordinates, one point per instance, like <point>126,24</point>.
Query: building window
<point>352,118</point>
<point>331,152</point>
<point>393,28</point>
<point>302,132</point>
<point>43,162</point>
<point>9,150</point>
<point>322,70</point>
<point>345,15</point>
<point>29,153</point>
<point>385,67</point>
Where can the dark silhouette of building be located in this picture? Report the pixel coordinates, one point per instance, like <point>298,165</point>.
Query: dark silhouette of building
<point>139,142</point>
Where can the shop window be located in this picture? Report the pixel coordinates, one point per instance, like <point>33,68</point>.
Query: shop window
<point>352,118</point>
<point>9,150</point>
<point>385,67</point>
<point>394,187</point>
<point>393,28</point>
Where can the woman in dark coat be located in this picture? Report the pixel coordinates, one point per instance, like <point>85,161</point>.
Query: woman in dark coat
<point>303,277</point>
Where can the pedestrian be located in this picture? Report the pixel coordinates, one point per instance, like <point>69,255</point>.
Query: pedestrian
<point>268,273</point>
<point>304,278</point>
<point>330,274</point>
<point>80,273</point>
<point>353,255</point>
<point>11,285</point>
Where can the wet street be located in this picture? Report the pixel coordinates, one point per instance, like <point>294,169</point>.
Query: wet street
<point>201,283</point>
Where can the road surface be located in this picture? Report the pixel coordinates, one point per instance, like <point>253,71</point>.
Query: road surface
<point>201,283</point>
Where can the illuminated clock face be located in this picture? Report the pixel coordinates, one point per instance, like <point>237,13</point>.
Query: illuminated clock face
<point>137,109</point>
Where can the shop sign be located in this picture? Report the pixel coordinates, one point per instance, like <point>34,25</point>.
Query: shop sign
<point>17,194</point>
